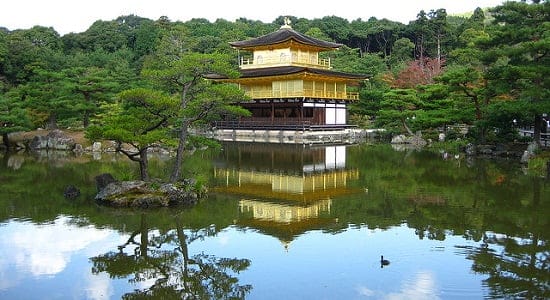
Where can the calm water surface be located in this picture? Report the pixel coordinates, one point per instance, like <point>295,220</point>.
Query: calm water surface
<point>281,222</point>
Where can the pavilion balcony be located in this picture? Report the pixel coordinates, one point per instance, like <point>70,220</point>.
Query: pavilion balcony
<point>318,94</point>
<point>249,63</point>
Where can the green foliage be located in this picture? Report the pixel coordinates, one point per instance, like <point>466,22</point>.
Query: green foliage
<point>504,117</point>
<point>142,122</point>
<point>398,108</point>
<point>402,52</point>
<point>487,57</point>
<point>199,99</point>
<point>47,97</point>
<point>13,117</point>
<point>538,165</point>
<point>439,109</point>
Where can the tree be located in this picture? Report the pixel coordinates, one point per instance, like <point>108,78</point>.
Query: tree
<point>420,28</point>
<point>402,52</point>
<point>518,56</point>
<point>417,72</point>
<point>349,60</point>
<point>13,118</point>
<point>337,28</point>
<point>439,108</point>
<point>438,22</point>
<point>199,98</point>
<point>385,34</point>
<point>468,82</point>
<point>477,19</point>
<point>109,36</point>
<point>398,108</point>
<point>46,97</point>
<point>142,123</point>
<point>94,85</point>
<point>27,50</point>
<point>3,53</point>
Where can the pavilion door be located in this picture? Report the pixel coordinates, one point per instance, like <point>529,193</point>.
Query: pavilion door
<point>319,116</point>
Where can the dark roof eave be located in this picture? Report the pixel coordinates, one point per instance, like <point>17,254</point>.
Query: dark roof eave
<point>289,70</point>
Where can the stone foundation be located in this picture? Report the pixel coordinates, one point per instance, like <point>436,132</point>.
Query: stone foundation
<point>345,136</point>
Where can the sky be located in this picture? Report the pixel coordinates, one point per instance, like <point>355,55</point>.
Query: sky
<point>67,16</point>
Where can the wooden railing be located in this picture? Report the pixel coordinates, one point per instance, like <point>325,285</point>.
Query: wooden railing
<point>249,63</point>
<point>306,93</point>
<point>530,132</point>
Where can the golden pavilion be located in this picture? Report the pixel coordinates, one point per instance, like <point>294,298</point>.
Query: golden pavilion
<point>290,85</point>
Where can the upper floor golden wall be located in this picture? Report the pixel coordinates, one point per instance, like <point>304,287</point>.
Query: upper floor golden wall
<point>284,57</point>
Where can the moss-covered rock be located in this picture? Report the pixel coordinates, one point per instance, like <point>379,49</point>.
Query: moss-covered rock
<point>144,194</point>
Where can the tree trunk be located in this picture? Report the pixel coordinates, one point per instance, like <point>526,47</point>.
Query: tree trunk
<point>438,52</point>
<point>183,244</point>
<point>183,131</point>
<point>409,131</point>
<point>143,165</point>
<point>6,140</point>
<point>52,121</point>
<point>87,113</point>
<point>144,237</point>
<point>86,119</point>
<point>179,154</point>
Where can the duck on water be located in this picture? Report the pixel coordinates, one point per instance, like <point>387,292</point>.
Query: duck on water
<point>383,262</point>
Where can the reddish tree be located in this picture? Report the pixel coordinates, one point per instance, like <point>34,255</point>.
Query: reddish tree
<point>418,72</point>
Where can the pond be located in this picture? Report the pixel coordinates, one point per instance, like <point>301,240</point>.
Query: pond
<point>281,221</point>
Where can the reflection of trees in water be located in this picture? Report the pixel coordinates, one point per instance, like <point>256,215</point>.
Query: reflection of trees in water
<point>520,268</point>
<point>511,227</point>
<point>163,259</point>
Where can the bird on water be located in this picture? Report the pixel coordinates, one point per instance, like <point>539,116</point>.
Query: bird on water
<point>383,262</point>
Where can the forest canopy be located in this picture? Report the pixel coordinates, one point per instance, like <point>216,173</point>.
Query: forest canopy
<point>489,71</point>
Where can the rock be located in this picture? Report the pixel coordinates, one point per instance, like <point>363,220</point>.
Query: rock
<point>39,143</point>
<point>485,149</point>
<point>20,145</point>
<point>398,139</point>
<point>415,140</point>
<point>145,194</point>
<point>96,147</point>
<point>55,140</point>
<point>533,147</point>
<point>177,195</point>
<point>102,180</point>
<point>470,149</point>
<point>441,137</point>
<point>130,194</point>
<point>71,192</point>
<point>526,156</point>
<point>78,148</point>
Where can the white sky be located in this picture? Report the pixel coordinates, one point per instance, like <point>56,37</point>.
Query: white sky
<point>76,15</point>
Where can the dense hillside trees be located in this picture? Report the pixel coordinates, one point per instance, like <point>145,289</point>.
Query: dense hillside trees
<point>518,60</point>
<point>496,60</point>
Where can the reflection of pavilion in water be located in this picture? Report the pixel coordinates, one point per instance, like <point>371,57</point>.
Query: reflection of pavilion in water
<point>285,189</point>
